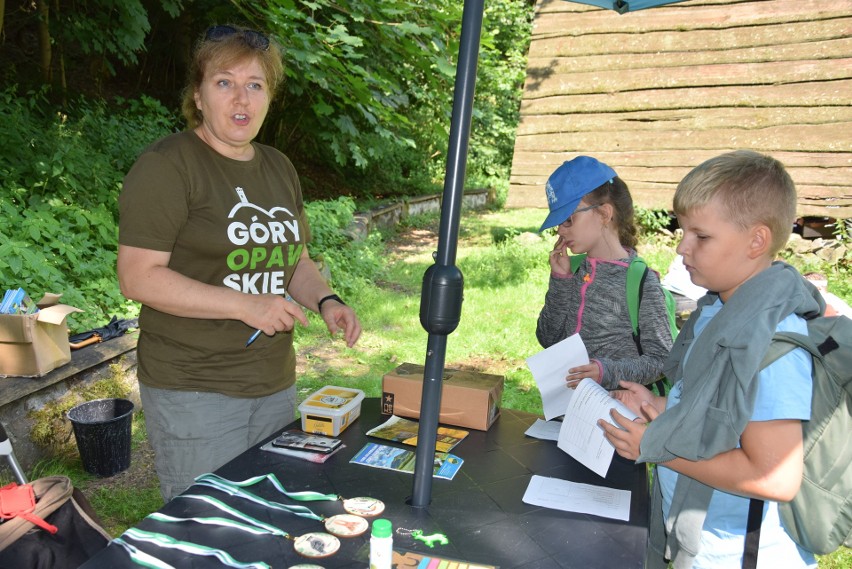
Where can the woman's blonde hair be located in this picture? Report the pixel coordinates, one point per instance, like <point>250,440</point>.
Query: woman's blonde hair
<point>751,188</point>
<point>222,50</point>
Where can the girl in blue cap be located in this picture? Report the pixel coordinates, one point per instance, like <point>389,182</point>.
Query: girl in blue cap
<point>592,211</point>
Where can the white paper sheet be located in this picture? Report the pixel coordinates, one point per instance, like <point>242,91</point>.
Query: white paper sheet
<point>549,368</point>
<point>677,280</point>
<point>580,435</point>
<point>544,430</point>
<point>576,497</point>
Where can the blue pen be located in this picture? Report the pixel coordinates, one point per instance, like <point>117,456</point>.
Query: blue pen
<point>253,337</point>
<point>258,331</point>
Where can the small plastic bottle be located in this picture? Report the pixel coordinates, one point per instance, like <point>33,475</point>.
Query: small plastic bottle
<point>381,545</point>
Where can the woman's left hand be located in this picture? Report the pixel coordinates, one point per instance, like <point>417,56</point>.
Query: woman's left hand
<point>341,317</point>
<point>627,437</point>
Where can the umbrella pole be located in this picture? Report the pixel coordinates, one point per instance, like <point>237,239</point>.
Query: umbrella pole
<point>441,295</point>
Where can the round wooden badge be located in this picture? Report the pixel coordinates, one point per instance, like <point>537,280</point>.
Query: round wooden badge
<point>346,525</point>
<point>363,506</point>
<point>316,544</point>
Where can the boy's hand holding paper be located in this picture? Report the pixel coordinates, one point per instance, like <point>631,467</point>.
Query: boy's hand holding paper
<point>580,435</point>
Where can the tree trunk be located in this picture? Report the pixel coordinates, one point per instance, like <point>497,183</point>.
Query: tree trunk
<point>61,56</point>
<point>44,39</point>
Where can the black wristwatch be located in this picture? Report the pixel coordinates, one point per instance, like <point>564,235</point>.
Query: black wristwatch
<point>329,297</point>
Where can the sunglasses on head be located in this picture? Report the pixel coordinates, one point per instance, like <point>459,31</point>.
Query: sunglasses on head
<point>253,38</point>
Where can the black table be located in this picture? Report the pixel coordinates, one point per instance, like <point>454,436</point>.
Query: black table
<point>480,510</point>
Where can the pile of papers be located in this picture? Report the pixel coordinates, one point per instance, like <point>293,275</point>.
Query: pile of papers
<point>577,433</point>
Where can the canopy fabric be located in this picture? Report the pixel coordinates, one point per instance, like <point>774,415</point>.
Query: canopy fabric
<point>623,6</point>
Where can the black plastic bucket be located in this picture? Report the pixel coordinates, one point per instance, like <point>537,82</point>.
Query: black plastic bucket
<point>102,430</point>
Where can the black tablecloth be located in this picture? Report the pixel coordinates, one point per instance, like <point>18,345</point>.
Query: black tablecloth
<point>480,510</point>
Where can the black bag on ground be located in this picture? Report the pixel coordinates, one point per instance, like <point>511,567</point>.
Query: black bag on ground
<point>25,545</point>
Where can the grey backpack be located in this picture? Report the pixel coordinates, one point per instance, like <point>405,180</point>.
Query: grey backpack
<point>819,518</point>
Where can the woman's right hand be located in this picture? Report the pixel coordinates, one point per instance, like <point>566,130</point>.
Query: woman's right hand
<point>560,261</point>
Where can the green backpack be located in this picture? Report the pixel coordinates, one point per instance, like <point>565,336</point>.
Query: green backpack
<point>819,518</point>
<point>637,271</point>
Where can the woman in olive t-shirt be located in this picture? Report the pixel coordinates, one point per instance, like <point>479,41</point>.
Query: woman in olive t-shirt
<point>213,243</point>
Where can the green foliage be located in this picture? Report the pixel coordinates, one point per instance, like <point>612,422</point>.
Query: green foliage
<point>115,28</point>
<point>61,174</point>
<point>356,68</point>
<point>500,79</point>
<point>369,85</point>
<point>650,221</point>
<point>105,32</point>
<point>507,262</point>
<point>351,263</point>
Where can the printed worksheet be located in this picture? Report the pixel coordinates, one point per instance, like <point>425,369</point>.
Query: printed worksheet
<point>575,497</point>
<point>580,435</point>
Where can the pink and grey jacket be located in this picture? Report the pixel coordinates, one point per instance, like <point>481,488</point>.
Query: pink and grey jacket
<point>593,302</point>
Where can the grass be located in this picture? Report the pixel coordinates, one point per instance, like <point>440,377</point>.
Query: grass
<point>504,263</point>
<point>504,288</point>
<point>122,500</point>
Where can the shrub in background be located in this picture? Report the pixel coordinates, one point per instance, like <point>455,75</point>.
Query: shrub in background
<point>351,262</point>
<point>60,174</point>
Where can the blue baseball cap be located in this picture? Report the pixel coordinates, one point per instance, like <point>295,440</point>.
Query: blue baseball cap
<point>569,183</point>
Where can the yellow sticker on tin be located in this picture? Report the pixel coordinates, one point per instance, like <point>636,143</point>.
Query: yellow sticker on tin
<point>331,398</point>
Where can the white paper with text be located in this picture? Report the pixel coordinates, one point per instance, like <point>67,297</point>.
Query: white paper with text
<point>580,435</point>
<point>575,497</point>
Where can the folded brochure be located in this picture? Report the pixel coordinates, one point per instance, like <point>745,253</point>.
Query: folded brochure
<point>404,431</point>
<point>402,460</point>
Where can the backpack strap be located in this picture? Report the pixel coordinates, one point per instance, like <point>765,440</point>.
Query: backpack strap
<point>782,343</point>
<point>785,342</point>
<point>752,537</point>
<point>637,271</point>
<point>50,493</point>
<point>576,261</point>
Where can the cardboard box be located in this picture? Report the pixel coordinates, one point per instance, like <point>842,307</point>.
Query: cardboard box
<point>33,344</point>
<point>469,399</point>
<point>330,410</point>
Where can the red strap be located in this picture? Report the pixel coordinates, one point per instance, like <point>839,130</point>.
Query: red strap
<point>19,502</point>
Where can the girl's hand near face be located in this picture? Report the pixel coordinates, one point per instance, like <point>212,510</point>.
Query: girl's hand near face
<point>559,259</point>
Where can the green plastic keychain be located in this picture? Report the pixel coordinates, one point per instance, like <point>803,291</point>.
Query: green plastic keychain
<point>430,540</point>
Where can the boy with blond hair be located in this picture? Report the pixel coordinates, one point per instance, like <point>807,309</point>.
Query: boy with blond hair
<point>728,431</point>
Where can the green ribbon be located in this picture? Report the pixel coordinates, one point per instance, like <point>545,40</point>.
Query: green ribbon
<point>168,542</point>
<point>140,557</point>
<point>238,489</point>
<point>306,496</point>
<point>259,525</point>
